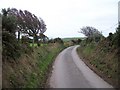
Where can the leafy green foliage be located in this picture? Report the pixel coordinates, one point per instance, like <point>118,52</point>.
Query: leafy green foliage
<point>114,39</point>
<point>8,22</point>
<point>11,48</point>
<point>59,40</point>
<point>110,36</point>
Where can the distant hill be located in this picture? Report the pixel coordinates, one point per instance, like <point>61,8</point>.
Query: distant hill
<point>72,38</point>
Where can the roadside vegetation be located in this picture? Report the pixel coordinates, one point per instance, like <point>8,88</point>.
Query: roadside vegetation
<point>31,70</point>
<point>101,53</point>
<point>27,54</point>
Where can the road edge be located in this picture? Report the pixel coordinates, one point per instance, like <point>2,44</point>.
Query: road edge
<point>94,69</point>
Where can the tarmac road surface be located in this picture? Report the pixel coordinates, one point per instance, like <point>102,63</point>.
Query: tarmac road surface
<point>69,71</point>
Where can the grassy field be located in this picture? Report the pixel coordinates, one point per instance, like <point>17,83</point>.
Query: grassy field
<point>31,70</point>
<point>72,38</point>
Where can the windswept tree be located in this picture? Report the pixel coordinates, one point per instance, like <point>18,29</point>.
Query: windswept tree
<point>20,24</point>
<point>28,23</point>
<point>43,26</point>
<point>91,32</point>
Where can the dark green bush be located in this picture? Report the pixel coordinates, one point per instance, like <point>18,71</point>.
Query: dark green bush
<point>110,37</point>
<point>116,37</point>
<point>79,41</point>
<point>97,39</point>
<point>59,40</point>
<point>11,48</point>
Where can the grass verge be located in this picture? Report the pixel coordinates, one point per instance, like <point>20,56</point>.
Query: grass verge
<point>31,71</point>
<point>102,59</point>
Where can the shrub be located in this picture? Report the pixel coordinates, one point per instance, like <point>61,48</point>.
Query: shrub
<point>110,37</point>
<point>116,37</point>
<point>11,48</point>
<point>59,40</point>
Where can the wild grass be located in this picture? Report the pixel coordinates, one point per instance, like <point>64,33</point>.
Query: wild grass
<point>45,59</point>
<point>102,57</point>
<point>31,71</point>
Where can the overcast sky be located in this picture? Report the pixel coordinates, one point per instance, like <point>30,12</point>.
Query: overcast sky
<point>64,18</point>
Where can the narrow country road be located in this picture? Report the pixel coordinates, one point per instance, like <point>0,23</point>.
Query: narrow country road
<point>69,71</point>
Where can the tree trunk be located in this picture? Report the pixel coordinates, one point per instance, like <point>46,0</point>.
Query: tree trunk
<point>33,41</point>
<point>36,40</point>
<point>18,36</point>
